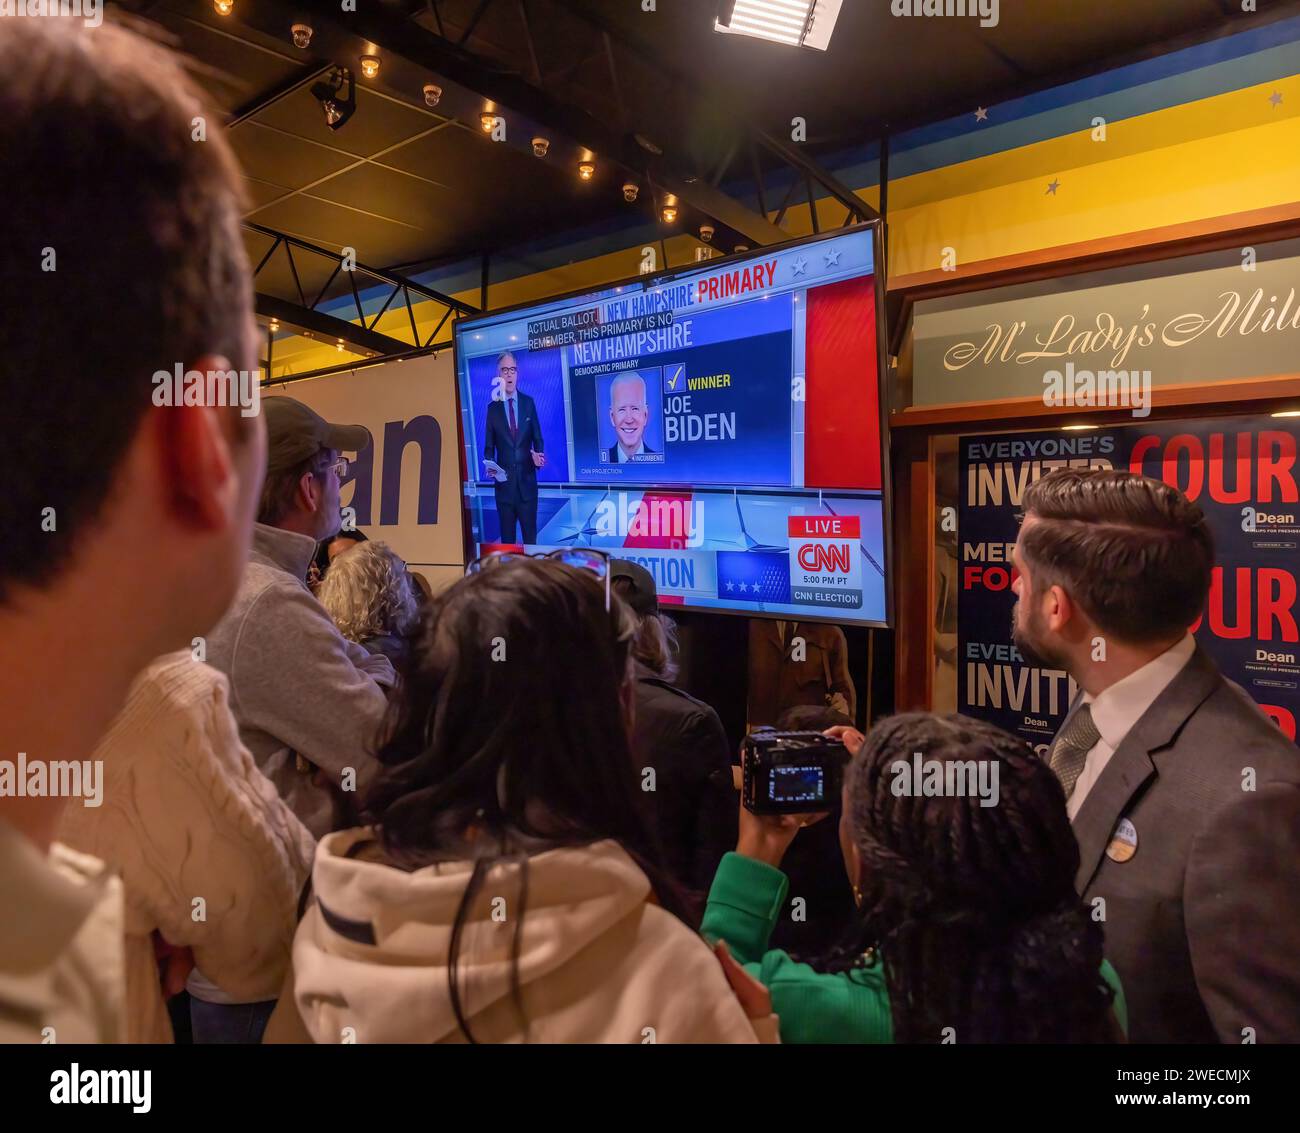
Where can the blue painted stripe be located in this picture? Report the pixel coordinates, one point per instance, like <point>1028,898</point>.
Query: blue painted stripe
<point>1257,41</point>
<point>982,139</point>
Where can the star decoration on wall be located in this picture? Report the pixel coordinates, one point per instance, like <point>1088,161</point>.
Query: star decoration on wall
<point>800,266</point>
<point>981,115</point>
<point>833,257</point>
<point>1053,185</point>
<point>1276,99</point>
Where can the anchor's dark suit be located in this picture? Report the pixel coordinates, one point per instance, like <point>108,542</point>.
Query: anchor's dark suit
<point>517,497</point>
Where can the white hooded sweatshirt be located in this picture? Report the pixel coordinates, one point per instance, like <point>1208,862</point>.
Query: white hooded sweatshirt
<point>598,962</point>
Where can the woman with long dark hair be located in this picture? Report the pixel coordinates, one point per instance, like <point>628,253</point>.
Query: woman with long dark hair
<point>506,887</point>
<point>968,927</point>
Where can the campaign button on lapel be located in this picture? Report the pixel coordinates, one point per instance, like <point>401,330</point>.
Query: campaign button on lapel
<point>1123,842</point>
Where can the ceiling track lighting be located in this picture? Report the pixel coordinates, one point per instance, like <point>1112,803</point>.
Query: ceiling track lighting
<point>302,34</point>
<point>338,108</point>
<point>370,66</point>
<point>586,170</point>
<point>223,7</point>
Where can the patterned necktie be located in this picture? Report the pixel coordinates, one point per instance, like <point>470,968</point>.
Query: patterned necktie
<point>514,429</point>
<point>1070,749</point>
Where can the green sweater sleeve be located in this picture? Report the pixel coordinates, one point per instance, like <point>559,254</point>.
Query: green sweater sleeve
<point>1120,1005</point>
<point>745,901</point>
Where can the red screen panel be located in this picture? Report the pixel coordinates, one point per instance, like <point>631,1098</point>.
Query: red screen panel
<point>842,388</point>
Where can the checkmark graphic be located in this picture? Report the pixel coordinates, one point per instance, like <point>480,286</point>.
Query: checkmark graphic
<point>676,372</point>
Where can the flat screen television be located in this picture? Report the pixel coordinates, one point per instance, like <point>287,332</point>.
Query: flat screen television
<point>723,425</point>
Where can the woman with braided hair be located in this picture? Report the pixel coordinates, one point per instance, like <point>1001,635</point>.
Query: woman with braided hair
<point>968,926</point>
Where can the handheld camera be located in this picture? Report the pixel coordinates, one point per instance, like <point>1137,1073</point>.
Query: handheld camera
<point>791,772</point>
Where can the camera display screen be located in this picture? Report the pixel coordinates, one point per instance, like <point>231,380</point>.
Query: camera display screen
<point>797,784</point>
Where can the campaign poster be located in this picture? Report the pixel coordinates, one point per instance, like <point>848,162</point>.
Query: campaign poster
<point>1242,472</point>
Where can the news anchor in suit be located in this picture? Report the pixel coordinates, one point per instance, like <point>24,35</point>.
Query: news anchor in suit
<point>1184,795</point>
<point>514,441</point>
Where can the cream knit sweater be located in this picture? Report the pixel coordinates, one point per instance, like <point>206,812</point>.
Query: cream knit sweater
<point>209,854</point>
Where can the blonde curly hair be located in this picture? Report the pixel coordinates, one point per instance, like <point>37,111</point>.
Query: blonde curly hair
<point>368,593</point>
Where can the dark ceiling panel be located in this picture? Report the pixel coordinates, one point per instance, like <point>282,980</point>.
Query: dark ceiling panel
<point>377,241</point>
<point>235,63</point>
<point>377,124</point>
<point>282,159</point>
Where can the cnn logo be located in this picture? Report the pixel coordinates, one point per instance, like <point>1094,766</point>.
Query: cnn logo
<point>825,557</point>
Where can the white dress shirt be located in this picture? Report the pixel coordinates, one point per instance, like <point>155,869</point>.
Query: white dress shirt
<point>623,458</point>
<point>1121,706</point>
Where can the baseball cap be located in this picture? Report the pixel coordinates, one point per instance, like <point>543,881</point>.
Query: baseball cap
<point>295,432</point>
<point>640,592</point>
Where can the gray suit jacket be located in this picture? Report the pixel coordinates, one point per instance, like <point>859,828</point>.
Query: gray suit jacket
<point>1203,921</point>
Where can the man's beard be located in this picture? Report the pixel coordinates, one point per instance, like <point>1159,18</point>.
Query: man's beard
<point>1029,639</point>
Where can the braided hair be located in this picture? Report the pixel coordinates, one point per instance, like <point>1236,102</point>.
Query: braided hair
<point>971,908</point>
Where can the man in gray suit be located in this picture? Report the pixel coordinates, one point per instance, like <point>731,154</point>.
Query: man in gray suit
<point>1185,797</point>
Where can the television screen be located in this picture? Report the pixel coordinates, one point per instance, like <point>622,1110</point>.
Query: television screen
<point>721,425</point>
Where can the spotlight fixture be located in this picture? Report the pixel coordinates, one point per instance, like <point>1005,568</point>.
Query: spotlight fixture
<point>706,232</point>
<point>224,7</point>
<point>540,146</point>
<point>301,36</point>
<point>795,23</point>
<point>742,248</point>
<point>586,170</point>
<point>668,213</point>
<point>340,344</point>
<point>370,66</point>
<point>328,93</point>
<point>630,191</point>
<point>487,120</point>
<point>432,94</point>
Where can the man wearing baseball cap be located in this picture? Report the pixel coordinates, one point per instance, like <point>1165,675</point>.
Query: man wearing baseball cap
<point>308,701</point>
<point>693,806</point>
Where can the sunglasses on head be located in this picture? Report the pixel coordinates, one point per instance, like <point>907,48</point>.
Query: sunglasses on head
<point>584,558</point>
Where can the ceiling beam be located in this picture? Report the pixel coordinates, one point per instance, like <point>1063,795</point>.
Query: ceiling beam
<point>328,328</point>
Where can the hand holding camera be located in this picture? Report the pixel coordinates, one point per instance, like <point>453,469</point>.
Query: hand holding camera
<point>788,780</point>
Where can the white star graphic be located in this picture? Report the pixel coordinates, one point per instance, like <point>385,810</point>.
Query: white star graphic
<point>832,257</point>
<point>731,586</point>
<point>800,266</point>
<point>981,115</point>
